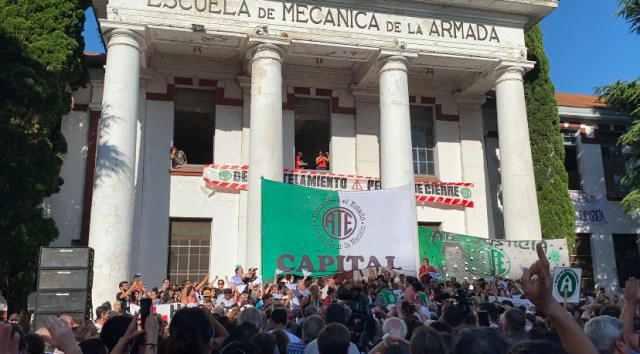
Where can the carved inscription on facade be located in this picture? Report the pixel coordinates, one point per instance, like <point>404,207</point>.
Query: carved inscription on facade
<point>334,18</point>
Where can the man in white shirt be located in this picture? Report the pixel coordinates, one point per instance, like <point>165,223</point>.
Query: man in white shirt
<point>101,317</point>
<point>226,298</point>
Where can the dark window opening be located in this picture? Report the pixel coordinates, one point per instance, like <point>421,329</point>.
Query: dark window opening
<point>570,140</point>
<point>571,165</point>
<point>613,163</point>
<point>627,254</point>
<point>422,141</point>
<point>194,124</point>
<point>189,250</point>
<point>582,259</point>
<point>313,131</point>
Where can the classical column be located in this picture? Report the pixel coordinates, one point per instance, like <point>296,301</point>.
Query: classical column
<point>396,163</point>
<point>111,228</point>
<point>245,83</point>
<point>521,217</point>
<point>265,151</point>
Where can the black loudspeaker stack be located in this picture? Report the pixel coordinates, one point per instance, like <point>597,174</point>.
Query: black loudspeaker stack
<point>65,277</point>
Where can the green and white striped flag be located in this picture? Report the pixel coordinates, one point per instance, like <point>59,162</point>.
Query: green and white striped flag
<point>328,232</point>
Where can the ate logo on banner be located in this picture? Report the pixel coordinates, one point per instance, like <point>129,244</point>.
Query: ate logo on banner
<point>499,262</point>
<point>339,226</point>
<point>566,284</point>
<point>339,223</point>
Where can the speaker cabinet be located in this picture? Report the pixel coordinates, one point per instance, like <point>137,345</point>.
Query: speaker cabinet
<point>66,257</point>
<point>65,278</point>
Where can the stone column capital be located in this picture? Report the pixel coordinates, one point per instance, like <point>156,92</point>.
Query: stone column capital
<point>512,70</point>
<point>393,62</point>
<point>125,36</point>
<point>266,50</point>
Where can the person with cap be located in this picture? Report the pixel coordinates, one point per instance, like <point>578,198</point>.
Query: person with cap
<point>206,294</point>
<point>238,277</point>
<point>208,302</point>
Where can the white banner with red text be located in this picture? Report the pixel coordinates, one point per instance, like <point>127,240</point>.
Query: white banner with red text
<point>234,178</point>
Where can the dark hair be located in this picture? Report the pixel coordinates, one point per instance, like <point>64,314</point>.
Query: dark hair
<point>279,316</point>
<point>190,331</point>
<point>264,343</point>
<point>490,309</point>
<point>536,347</point>
<point>122,283</point>
<point>34,344</point>
<point>100,311</point>
<point>441,327</point>
<point>93,346</point>
<point>113,329</point>
<point>453,316</point>
<point>334,339</point>
<point>610,310</point>
<point>507,302</point>
<point>237,346</point>
<point>244,332</point>
<point>426,340</point>
<point>544,334</point>
<point>515,321</point>
<point>282,340</point>
<point>480,341</point>
<point>412,323</point>
<point>336,314</point>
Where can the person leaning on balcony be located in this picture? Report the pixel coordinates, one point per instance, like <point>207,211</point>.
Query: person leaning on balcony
<point>177,157</point>
<point>322,161</point>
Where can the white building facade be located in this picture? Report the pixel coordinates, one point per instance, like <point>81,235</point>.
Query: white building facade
<point>393,90</point>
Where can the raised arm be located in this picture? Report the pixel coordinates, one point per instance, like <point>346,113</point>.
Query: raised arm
<point>573,338</point>
<point>301,282</point>
<point>202,283</point>
<point>631,301</point>
<point>123,295</point>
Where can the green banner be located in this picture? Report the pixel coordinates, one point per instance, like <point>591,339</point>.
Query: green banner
<point>469,257</point>
<point>327,232</point>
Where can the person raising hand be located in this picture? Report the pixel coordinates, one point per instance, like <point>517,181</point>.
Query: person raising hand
<point>537,284</point>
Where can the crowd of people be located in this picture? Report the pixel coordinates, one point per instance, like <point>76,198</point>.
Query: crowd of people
<point>376,311</point>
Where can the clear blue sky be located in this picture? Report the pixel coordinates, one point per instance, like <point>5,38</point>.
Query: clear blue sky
<point>587,45</point>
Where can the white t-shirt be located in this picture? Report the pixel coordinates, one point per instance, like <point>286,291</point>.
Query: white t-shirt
<point>312,348</point>
<point>224,302</point>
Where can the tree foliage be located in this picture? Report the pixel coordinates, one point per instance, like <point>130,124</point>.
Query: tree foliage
<point>557,216</point>
<point>624,97</point>
<point>630,11</point>
<point>41,62</point>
